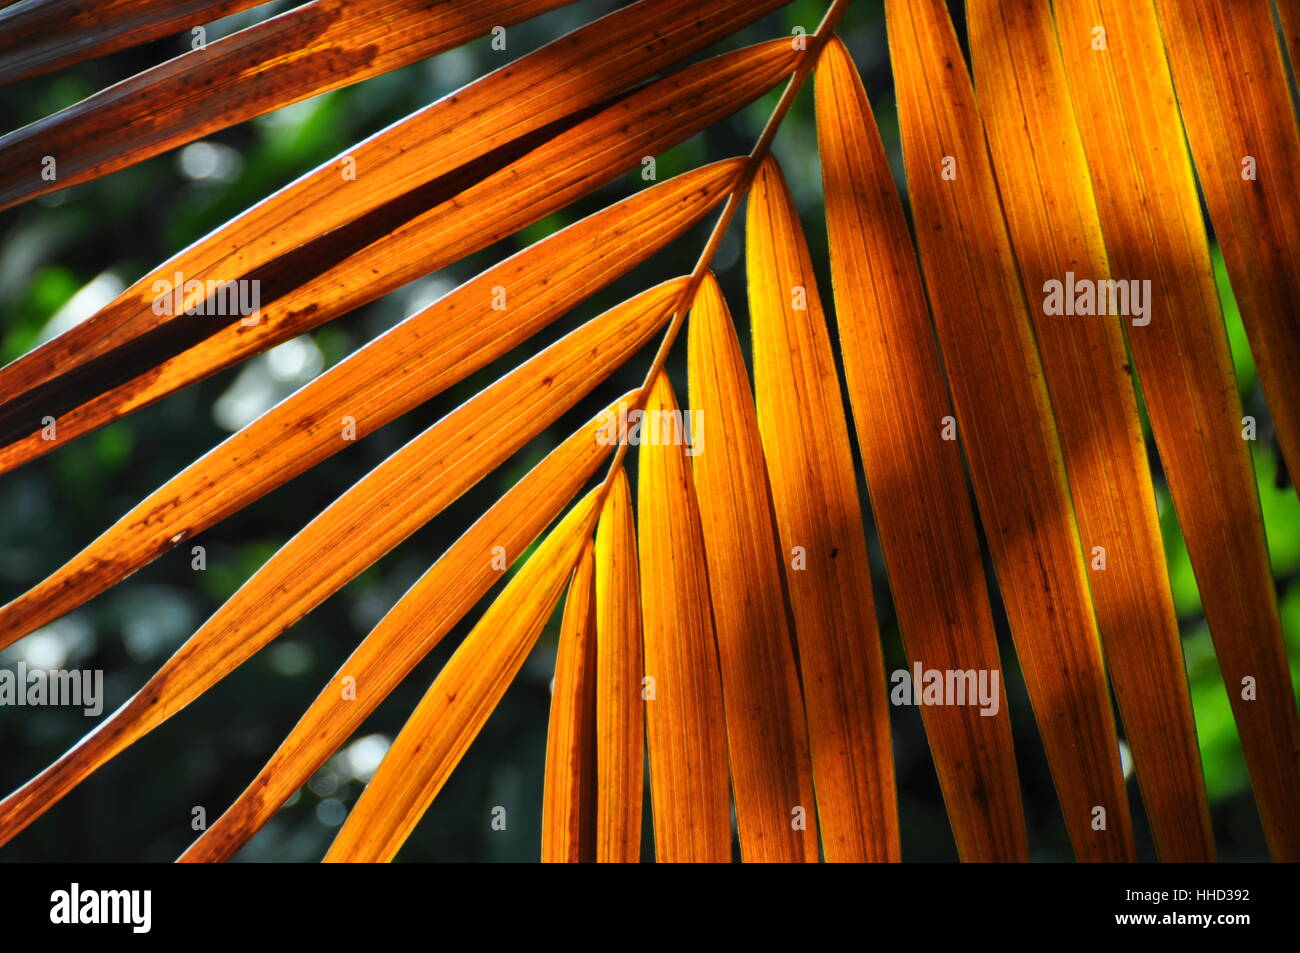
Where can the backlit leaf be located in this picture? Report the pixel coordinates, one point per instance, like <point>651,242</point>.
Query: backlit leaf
<point>305,51</point>
<point>620,710</point>
<point>766,731</point>
<point>823,546</point>
<point>1005,424</point>
<point>1151,217</point>
<point>122,358</point>
<point>1053,224</point>
<point>384,508</point>
<point>444,343</point>
<point>43,35</point>
<point>458,703</point>
<point>915,477</point>
<point>406,634</point>
<point>690,791</point>
<point>569,788</point>
<point>1236,105</point>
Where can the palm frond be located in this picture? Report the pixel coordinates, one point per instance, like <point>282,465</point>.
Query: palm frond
<point>719,636</point>
<point>309,50</point>
<point>1248,165</point>
<point>408,632</point>
<point>439,346</point>
<point>915,477</point>
<point>685,725</point>
<point>767,731</point>
<point>620,706</point>
<point>565,168</point>
<point>1146,198</point>
<point>424,159</point>
<point>44,35</point>
<point>1053,224</point>
<point>384,508</point>
<point>459,701</point>
<point>1007,429</point>
<point>823,546</point>
<point>570,787</point>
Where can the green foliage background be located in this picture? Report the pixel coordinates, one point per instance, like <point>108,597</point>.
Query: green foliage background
<point>64,255</point>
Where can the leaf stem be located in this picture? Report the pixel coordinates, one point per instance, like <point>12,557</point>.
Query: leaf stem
<point>762,146</point>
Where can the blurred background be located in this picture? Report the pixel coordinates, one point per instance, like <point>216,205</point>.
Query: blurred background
<point>64,256</point>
